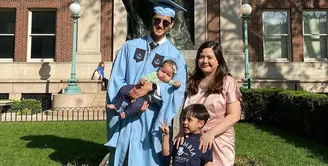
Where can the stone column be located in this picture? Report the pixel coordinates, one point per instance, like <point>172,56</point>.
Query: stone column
<point>200,22</point>
<point>231,35</point>
<point>119,26</point>
<point>88,39</point>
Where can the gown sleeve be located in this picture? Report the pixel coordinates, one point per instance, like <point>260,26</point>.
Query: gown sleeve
<point>116,81</point>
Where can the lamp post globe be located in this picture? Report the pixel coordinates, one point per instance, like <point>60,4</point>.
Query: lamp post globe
<point>75,8</point>
<point>72,87</point>
<point>245,9</point>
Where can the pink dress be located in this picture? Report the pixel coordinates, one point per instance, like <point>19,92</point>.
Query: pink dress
<point>216,104</point>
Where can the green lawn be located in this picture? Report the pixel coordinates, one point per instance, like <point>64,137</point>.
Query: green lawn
<point>77,143</point>
<point>52,143</point>
<point>262,145</point>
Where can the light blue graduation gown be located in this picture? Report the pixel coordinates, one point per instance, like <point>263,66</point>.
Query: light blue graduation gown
<point>142,133</point>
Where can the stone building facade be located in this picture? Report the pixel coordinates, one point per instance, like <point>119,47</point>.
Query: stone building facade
<point>36,39</point>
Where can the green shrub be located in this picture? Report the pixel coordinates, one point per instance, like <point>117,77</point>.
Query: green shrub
<point>293,107</point>
<point>33,105</point>
<point>317,119</point>
<point>21,107</point>
<point>301,112</point>
<point>257,104</point>
<point>16,106</point>
<point>24,112</point>
<point>298,108</point>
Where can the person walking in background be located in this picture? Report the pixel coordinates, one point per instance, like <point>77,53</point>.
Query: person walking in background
<point>212,85</point>
<point>136,140</point>
<point>101,72</point>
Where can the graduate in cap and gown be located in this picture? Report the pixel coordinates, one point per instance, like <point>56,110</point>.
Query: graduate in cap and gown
<point>136,140</point>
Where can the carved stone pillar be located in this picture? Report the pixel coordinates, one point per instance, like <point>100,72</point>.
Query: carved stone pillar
<point>88,40</point>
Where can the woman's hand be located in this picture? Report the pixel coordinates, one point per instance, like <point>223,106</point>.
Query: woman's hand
<point>206,141</point>
<point>179,139</point>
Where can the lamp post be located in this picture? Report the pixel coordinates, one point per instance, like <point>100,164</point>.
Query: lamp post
<point>73,88</point>
<point>245,10</point>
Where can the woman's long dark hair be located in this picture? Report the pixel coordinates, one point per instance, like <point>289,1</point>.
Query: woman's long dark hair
<point>216,84</point>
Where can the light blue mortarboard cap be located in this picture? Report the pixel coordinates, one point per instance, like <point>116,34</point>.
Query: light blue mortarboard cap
<point>166,8</point>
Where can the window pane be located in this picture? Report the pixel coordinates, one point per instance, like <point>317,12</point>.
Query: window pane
<point>275,47</point>
<point>275,22</point>
<point>7,22</point>
<point>189,17</point>
<point>315,22</point>
<point>43,47</point>
<point>315,46</point>
<point>7,46</point>
<point>43,22</point>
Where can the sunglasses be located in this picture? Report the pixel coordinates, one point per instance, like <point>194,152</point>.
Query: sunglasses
<point>157,21</point>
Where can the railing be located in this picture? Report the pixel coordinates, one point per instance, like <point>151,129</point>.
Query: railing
<point>58,114</point>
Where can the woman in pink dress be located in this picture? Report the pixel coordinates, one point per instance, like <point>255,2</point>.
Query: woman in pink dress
<point>211,84</point>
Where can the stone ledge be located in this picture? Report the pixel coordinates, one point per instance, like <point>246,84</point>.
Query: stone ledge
<point>5,102</point>
<point>286,81</point>
<point>74,100</point>
<point>45,81</point>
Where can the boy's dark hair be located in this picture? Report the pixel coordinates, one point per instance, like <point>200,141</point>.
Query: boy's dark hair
<point>198,111</point>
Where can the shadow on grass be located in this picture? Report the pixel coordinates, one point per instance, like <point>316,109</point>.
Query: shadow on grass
<point>68,151</point>
<point>317,149</point>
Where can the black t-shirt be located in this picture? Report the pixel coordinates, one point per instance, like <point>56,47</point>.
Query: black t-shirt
<point>189,154</point>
